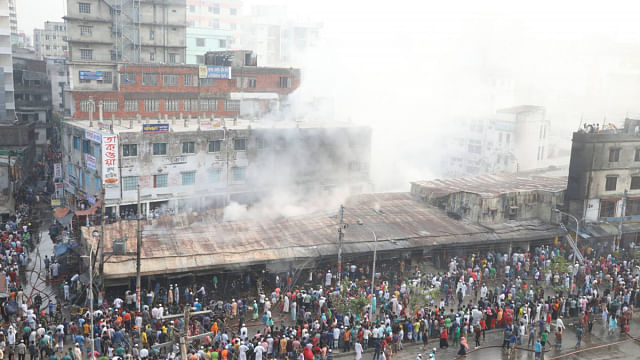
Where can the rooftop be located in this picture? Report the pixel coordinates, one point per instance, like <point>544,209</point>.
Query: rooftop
<point>493,185</point>
<point>521,108</point>
<point>195,242</point>
<point>205,125</point>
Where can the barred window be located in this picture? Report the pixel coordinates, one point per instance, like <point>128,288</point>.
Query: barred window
<point>107,77</point>
<point>128,78</point>
<point>86,106</point>
<point>86,54</point>
<point>232,105</point>
<point>110,105</point>
<point>189,178</point>
<point>129,183</point>
<point>151,105</point>
<point>149,79</point>
<point>160,181</point>
<point>190,104</point>
<point>131,105</point>
<point>188,147</point>
<point>85,30</point>
<point>208,104</point>
<point>189,80</point>
<point>170,80</point>
<point>207,82</point>
<point>215,175</point>
<point>171,105</point>
<point>214,146</point>
<point>84,8</point>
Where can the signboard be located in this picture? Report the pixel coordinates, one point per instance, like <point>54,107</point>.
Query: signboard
<point>155,128</point>
<point>214,72</point>
<point>91,199</point>
<point>91,75</point>
<point>57,170</point>
<point>110,176</point>
<point>207,124</point>
<point>90,161</point>
<point>69,188</point>
<point>55,202</point>
<point>73,180</point>
<point>59,190</point>
<point>90,135</point>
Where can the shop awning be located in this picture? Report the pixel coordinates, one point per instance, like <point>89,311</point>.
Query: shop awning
<point>61,212</point>
<point>91,210</point>
<point>583,234</point>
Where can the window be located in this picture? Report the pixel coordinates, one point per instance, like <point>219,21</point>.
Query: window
<point>188,147</point>
<point>85,147</point>
<point>189,178</point>
<point>131,105</point>
<point>129,183</point>
<point>107,77</point>
<point>233,11</point>
<point>70,169</point>
<point>152,57</point>
<point>207,82</point>
<point>214,24</point>
<point>610,184</point>
<point>192,8</point>
<point>84,8</point>
<point>160,149</point>
<point>170,80</point>
<point>152,34</point>
<point>86,54</point>
<point>110,105</point>
<point>214,146</point>
<point>208,104</point>
<point>614,155</point>
<point>507,138</point>
<point>636,157</point>
<point>222,43</point>
<point>239,174</point>
<point>173,58</point>
<point>247,82</point>
<point>189,80</point>
<point>240,144</point>
<point>149,79</point>
<point>96,183</point>
<point>215,175</point>
<point>635,183</point>
<point>151,105</point>
<point>86,106</point>
<point>129,150</point>
<point>354,166</point>
<point>200,42</point>
<point>114,11</point>
<point>232,105</point>
<point>76,143</point>
<point>261,143</point>
<point>475,146</point>
<point>285,83</point>
<point>171,105</point>
<point>128,78</point>
<point>216,9</point>
<point>608,208</point>
<point>199,59</point>
<point>113,55</point>
<point>87,180</point>
<point>85,30</point>
<point>160,181</point>
<point>190,104</point>
<point>632,208</point>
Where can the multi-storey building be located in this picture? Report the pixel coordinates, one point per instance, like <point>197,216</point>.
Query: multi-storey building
<point>52,40</point>
<point>515,139</point>
<point>211,25</point>
<point>196,164</point>
<point>238,88</point>
<point>13,22</point>
<point>58,76</point>
<point>7,104</point>
<point>33,95</point>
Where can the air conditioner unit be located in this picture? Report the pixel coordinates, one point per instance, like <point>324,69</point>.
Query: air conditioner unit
<point>119,246</point>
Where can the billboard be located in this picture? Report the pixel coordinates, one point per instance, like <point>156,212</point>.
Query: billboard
<point>110,176</point>
<point>155,128</point>
<point>91,75</point>
<point>57,170</point>
<point>90,161</point>
<point>214,72</point>
<point>90,135</point>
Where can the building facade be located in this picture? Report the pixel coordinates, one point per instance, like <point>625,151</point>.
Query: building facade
<point>52,40</point>
<point>203,40</point>
<point>7,104</point>
<point>33,95</point>
<point>58,76</point>
<point>161,90</point>
<point>211,25</point>
<point>188,165</point>
<point>13,21</point>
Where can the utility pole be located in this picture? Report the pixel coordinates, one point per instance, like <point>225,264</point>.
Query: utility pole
<point>622,216</point>
<point>373,276</point>
<point>340,235</point>
<point>185,333</point>
<point>138,243</point>
<point>101,244</point>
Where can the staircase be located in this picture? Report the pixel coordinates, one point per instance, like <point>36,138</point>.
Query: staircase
<point>573,245</point>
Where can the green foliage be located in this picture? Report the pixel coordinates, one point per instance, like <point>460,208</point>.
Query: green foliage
<point>353,305</point>
<point>559,264</point>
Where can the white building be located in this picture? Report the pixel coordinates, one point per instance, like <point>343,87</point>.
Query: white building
<point>191,165</point>
<point>52,40</point>
<point>57,71</point>
<point>7,102</point>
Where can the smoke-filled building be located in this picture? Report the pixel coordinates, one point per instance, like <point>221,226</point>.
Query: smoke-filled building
<point>191,165</point>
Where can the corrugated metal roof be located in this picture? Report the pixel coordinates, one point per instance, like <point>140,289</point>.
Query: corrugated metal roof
<point>190,243</point>
<point>492,185</point>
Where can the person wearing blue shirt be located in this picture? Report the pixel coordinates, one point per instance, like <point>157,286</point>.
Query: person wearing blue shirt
<point>197,305</point>
<point>538,349</point>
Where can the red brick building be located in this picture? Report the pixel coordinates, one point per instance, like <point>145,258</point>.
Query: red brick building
<point>153,90</point>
